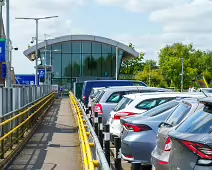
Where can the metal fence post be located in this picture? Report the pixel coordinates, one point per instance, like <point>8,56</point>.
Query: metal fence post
<point>136,166</point>
<point>107,142</point>
<point>96,122</point>
<point>117,143</point>
<point>100,131</point>
<point>1,101</point>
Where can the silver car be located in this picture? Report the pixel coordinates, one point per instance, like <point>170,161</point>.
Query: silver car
<point>139,132</point>
<point>192,141</point>
<point>109,97</point>
<point>160,154</point>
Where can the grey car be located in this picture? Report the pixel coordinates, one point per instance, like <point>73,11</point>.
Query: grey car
<point>160,155</point>
<point>192,141</point>
<point>139,132</point>
<point>109,97</point>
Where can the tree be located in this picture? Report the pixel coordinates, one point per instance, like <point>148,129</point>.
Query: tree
<point>134,65</point>
<point>170,60</point>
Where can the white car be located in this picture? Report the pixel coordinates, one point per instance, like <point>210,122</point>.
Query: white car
<point>139,103</point>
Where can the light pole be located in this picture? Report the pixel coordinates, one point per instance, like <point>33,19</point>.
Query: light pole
<point>36,52</point>
<point>182,74</point>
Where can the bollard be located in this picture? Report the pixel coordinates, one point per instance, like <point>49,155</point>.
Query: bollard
<point>136,166</point>
<point>100,131</point>
<point>96,123</point>
<point>88,115</point>
<point>117,143</point>
<point>107,142</point>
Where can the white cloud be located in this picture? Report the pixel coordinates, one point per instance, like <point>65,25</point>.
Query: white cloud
<point>22,31</point>
<point>142,5</point>
<point>190,18</point>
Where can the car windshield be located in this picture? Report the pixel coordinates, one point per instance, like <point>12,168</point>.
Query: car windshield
<point>199,122</point>
<point>179,114</point>
<point>161,108</point>
<point>122,103</point>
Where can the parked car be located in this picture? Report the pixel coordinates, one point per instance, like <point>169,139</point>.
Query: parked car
<point>160,154</point>
<point>139,132</point>
<point>93,94</point>
<point>206,90</point>
<point>140,103</point>
<point>192,141</point>
<point>111,96</point>
<point>88,85</point>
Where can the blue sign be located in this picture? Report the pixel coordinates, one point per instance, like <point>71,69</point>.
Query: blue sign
<point>42,73</point>
<point>3,71</point>
<point>25,79</point>
<point>2,50</point>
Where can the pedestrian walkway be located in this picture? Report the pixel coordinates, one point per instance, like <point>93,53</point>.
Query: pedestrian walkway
<point>54,145</point>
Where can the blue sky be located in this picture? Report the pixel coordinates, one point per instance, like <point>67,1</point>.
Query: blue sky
<point>148,24</point>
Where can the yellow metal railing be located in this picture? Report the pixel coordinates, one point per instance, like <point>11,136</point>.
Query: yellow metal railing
<point>89,162</point>
<point>15,127</point>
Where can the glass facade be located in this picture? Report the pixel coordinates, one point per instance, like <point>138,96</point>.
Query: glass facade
<point>73,59</point>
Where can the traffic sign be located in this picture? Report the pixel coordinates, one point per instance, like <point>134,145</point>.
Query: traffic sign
<point>42,73</point>
<point>2,50</point>
<point>3,67</point>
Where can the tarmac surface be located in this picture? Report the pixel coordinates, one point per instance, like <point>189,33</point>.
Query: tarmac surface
<point>54,145</point>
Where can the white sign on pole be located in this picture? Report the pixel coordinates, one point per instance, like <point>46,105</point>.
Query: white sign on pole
<point>2,3</point>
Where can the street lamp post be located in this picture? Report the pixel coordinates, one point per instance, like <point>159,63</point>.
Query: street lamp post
<point>36,52</point>
<point>182,79</point>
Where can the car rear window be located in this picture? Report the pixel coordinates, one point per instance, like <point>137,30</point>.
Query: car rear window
<point>199,122</point>
<point>161,108</point>
<point>122,103</point>
<point>98,97</point>
<point>151,103</point>
<point>179,114</point>
<point>115,97</point>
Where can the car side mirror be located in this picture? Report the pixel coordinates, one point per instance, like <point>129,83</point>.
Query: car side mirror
<point>160,124</point>
<point>210,130</point>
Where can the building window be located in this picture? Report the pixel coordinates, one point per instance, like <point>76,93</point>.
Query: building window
<point>106,49</point>
<point>56,63</point>
<point>76,47</point>
<point>56,48</point>
<point>96,65</point>
<point>66,47</point>
<point>66,65</point>
<point>86,58</point>
<point>86,47</point>
<point>76,60</point>
<point>96,47</point>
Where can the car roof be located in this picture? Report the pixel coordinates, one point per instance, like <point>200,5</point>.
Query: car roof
<point>135,87</point>
<point>163,94</point>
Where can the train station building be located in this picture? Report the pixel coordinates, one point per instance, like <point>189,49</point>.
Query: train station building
<point>79,57</point>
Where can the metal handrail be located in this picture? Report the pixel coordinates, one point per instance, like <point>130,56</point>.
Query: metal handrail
<point>89,163</point>
<point>18,125</point>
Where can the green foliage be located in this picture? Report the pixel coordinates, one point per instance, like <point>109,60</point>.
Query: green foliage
<point>133,65</point>
<point>196,62</point>
<point>154,77</point>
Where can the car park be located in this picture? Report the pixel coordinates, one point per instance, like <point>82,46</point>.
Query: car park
<point>139,132</point>
<point>88,85</point>
<point>161,152</point>
<point>109,97</point>
<point>192,141</point>
<point>140,103</point>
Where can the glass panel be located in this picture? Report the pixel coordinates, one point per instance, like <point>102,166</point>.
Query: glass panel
<point>122,103</point>
<point>175,118</point>
<point>66,65</point>
<point>113,66</point>
<point>76,47</point>
<point>96,65</point>
<point>86,47</point>
<point>66,83</point>
<point>96,47</point>
<point>76,65</point>
<point>106,48</point>
<point>56,48</point>
<point>107,65</point>
<point>115,97</point>
<point>86,64</point>
<point>66,47</point>
<point>199,122</point>
<point>56,62</point>
<point>114,50</point>
<point>56,81</point>
<point>149,104</point>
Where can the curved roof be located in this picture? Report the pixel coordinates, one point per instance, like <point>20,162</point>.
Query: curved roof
<point>82,38</point>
